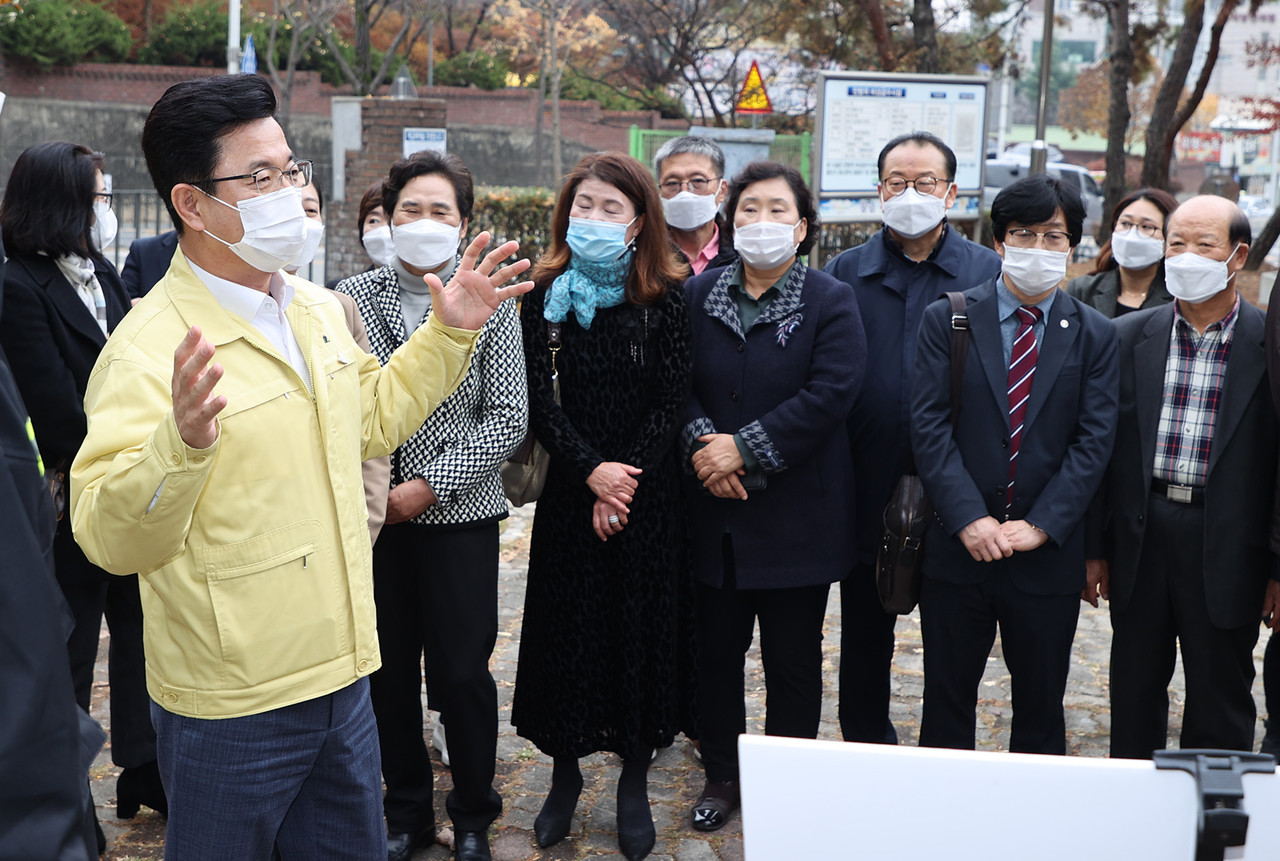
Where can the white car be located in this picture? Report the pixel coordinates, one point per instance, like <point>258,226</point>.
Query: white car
<point>1001,172</point>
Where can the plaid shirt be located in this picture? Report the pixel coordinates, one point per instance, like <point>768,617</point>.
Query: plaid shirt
<point>1193,378</point>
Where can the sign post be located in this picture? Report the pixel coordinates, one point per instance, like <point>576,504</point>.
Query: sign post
<point>754,98</point>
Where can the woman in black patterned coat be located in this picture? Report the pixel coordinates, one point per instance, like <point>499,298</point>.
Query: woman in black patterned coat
<point>605,650</point>
<point>435,566</point>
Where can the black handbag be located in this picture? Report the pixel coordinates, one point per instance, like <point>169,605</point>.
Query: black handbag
<point>525,471</point>
<point>900,557</point>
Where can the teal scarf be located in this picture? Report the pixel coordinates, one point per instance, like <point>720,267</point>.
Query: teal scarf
<point>586,287</point>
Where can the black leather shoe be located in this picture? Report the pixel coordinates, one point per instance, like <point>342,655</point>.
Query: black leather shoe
<point>472,846</point>
<point>138,786</point>
<point>402,844</point>
<point>716,805</point>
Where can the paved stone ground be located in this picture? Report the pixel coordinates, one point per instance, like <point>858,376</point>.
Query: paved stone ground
<point>675,779</point>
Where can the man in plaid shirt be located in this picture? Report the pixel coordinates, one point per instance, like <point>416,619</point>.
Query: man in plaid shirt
<point>1180,544</point>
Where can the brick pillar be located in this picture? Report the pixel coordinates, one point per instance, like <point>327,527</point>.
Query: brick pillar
<point>382,122</point>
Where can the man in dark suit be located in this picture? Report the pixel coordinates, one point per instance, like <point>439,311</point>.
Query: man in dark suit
<point>1011,478</point>
<point>148,260</point>
<point>895,274</point>
<point>1189,497</point>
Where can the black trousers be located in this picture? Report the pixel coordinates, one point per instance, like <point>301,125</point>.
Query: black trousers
<point>790,649</point>
<point>437,595</point>
<point>958,624</point>
<point>1167,609</point>
<point>133,741</point>
<point>1271,684</point>
<point>866,660</point>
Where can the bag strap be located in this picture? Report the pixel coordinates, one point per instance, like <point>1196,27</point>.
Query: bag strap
<point>553,344</point>
<point>959,349</point>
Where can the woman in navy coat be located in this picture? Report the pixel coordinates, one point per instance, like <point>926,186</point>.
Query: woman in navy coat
<point>778,358</point>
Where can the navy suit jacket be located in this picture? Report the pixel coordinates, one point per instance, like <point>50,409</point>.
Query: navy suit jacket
<point>147,262</point>
<point>1240,486</point>
<point>893,292</point>
<point>1067,438</point>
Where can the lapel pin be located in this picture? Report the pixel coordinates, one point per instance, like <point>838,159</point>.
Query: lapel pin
<point>1063,323</point>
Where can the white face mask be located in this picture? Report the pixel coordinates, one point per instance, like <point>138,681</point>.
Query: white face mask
<point>275,229</point>
<point>104,224</point>
<point>315,231</point>
<point>426,243</point>
<point>1193,278</point>
<point>766,244</point>
<point>1034,271</point>
<point>379,245</point>
<point>689,211</point>
<point>1132,250</point>
<point>912,214</point>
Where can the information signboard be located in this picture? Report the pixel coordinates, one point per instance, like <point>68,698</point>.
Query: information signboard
<point>859,112</point>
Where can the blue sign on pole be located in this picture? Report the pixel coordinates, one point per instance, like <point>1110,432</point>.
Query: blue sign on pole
<point>248,57</point>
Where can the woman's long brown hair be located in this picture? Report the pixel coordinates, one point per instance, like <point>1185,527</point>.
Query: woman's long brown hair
<point>657,262</point>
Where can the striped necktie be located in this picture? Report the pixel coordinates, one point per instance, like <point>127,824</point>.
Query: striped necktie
<point>1022,368</point>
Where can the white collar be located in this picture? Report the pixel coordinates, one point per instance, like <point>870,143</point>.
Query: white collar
<point>241,300</point>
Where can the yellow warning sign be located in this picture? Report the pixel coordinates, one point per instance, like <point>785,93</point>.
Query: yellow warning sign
<point>754,99</point>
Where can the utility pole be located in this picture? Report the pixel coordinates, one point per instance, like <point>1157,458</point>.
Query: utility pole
<point>1039,149</point>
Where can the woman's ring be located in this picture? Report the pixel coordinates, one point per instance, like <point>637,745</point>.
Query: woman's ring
<point>613,518</point>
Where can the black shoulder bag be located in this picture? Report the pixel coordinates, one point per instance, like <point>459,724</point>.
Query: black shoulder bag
<point>900,559</point>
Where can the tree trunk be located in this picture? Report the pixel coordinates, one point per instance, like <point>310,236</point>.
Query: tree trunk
<point>557,157</point>
<point>925,34</point>
<point>874,10</point>
<point>363,50</point>
<point>1161,130</point>
<point>147,14</point>
<point>539,145</point>
<point>1117,113</point>
<point>1262,243</point>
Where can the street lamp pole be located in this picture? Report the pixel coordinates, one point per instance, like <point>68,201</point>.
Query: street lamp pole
<point>1039,149</point>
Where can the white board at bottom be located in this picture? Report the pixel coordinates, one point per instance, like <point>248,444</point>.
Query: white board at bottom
<point>838,800</point>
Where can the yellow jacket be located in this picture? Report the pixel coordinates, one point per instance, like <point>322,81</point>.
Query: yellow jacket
<point>256,581</point>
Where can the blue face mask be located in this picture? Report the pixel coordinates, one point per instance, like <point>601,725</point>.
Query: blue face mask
<point>597,241</point>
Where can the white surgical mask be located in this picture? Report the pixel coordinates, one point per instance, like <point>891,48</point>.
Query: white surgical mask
<point>426,243</point>
<point>275,229</point>
<point>1132,250</point>
<point>104,224</point>
<point>379,245</point>
<point>689,211</point>
<point>315,231</point>
<point>1193,278</point>
<point>766,244</point>
<point>912,214</point>
<point>1034,271</point>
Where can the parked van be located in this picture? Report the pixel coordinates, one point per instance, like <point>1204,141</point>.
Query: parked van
<point>1008,169</point>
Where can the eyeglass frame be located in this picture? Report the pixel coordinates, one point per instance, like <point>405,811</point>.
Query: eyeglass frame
<point>105,195</point>
<point>683,184</point>
<point>884,183</point>
<point>1147,230</point>
<point>1013,231</point>
<point>305,165</point>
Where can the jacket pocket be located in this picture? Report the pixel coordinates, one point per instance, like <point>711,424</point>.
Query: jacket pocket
<point>276,600</point>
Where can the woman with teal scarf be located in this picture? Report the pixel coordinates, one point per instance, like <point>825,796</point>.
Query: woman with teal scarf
<point>606,644</point>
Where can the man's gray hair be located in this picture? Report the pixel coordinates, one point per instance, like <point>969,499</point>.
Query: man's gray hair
<point>694,145</point>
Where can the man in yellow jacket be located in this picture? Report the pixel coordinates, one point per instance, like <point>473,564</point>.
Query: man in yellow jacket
<point>227,473</point>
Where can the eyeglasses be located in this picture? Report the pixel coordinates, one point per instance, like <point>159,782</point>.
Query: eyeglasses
<point>1054,240</point>
<point>105,196</point>
<point>1145,229</point>
<point>269,179</point>
<point>924,185</point>
<point>697,185</point>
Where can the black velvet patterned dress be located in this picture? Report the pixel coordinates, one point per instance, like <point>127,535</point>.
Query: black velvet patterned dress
<point>606,654</point>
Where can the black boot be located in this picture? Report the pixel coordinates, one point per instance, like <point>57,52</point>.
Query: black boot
<point>635,821</point>
<point>138,786</point>
<point>552,824</point>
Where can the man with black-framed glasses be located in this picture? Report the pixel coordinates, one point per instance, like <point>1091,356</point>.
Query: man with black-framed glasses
<point>1012,475</point>
<point>226,472</point>
<point>690,174</point>
<point>895,274</point>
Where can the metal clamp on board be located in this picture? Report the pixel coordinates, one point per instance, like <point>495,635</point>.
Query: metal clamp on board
<point>1222,822</point>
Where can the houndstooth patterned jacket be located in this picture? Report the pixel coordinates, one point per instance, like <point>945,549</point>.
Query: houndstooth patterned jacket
<point>460,446</point>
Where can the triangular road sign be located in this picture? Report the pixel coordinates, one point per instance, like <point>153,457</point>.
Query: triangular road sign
<point>754,99</point>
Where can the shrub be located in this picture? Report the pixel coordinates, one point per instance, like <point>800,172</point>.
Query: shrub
<point>522,214</point>
<point>63,33</point>
<point>473,68</point>
<point>189,36</point>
